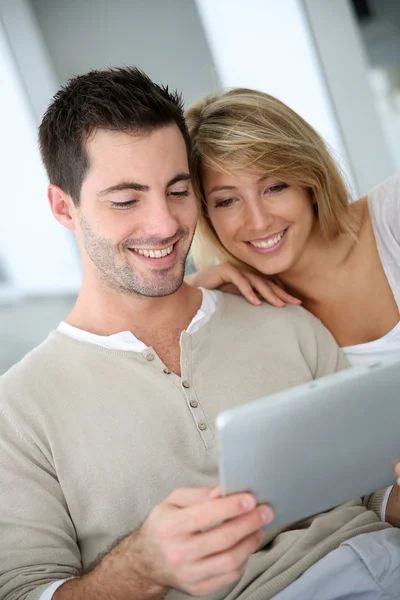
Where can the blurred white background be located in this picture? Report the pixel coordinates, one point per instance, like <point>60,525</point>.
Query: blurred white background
<point>336,62</point>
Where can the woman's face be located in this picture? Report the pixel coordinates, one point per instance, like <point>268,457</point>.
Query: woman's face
<point>261,221</point>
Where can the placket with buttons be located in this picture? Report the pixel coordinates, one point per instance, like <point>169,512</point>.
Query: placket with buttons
<point>185,383</point>
<point>192,400</point>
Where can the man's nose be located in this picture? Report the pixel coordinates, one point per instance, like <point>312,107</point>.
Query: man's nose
<point>160,222</point>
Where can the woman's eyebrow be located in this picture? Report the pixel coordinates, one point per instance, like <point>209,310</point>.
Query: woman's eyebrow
<point>218,188</point>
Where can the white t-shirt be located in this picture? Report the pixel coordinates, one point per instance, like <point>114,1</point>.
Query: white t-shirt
<point>363,354</point>
<point>125,340</point>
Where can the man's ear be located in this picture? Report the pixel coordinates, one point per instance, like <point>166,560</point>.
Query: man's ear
<point>61,206</point>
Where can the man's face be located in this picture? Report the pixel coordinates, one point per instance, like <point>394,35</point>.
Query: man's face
<point>137,212</point>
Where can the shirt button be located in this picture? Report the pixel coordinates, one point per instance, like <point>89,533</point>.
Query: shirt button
<point>150,357</point>
<point>202,426</point>
<point>194,403</point>
<point>186,384</point>
<point>167,371</point>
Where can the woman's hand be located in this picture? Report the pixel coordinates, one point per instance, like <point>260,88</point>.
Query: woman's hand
<point>230,278</point>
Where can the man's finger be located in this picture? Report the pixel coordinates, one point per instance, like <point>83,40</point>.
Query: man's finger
<point>234,559</point>
<point>185,497</point>
<point>209,514</point>
<point>229,534</point>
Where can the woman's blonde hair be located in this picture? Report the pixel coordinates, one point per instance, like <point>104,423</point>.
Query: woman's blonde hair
<point>245,130</point>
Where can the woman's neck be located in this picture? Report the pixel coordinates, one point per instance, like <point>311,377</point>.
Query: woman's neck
<point>310,279</point>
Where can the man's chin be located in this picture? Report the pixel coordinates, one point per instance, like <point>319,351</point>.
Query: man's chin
<point>165,286</point>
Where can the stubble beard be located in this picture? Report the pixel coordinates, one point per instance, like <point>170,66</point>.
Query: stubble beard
<point>122,277</point>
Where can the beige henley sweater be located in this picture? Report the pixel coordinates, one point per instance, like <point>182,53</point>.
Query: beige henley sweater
<point>91,439</point>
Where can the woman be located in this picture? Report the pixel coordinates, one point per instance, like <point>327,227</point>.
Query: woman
<point>273,204</point>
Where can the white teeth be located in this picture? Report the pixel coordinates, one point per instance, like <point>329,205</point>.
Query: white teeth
<point>154,253</point>
<point>269,243</point>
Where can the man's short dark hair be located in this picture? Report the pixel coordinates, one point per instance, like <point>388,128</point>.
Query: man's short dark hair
<point>115,99</point>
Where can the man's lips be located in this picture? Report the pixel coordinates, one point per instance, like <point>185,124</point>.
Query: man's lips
<point>161,257</point>
<point>154,253</point>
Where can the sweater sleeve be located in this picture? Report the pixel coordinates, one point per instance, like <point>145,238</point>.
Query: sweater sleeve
<point>377,502</point>
<point>38,542</point>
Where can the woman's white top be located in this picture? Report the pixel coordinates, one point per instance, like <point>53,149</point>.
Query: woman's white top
<point>384,208</point>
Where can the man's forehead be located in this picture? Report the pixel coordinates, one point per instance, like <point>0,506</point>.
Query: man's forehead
<point>166,143</point>
<point>102,140</point>
<point>106,137</point>
<point>145,158</point>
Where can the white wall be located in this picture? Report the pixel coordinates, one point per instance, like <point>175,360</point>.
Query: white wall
<point>163,37</point>
<point>29,51</point>
<point>269,46</point>
<point>38,254</point>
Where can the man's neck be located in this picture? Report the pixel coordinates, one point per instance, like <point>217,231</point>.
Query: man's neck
<point>105,312</point>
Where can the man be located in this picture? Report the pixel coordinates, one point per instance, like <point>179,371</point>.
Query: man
<point>107,441</point>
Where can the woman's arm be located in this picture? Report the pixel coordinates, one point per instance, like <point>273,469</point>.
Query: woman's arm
<point>231,279</point>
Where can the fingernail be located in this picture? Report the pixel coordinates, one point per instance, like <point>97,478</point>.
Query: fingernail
<point>398,481</point>
<point>256,300</point>
<point>266,515</point>
<point>248,502</point>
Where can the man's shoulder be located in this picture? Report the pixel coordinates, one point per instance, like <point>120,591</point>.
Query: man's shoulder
<point>32,366</point>
<point>235,307</point>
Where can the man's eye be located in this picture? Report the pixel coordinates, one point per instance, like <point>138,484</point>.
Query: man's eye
<point>179,194</point>
<point>225,202</point>
<point>123,205</point>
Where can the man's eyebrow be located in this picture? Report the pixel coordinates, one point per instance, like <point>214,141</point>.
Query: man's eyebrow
<point>178,178</point>
<point>138,187</point>
<point>125,185</point>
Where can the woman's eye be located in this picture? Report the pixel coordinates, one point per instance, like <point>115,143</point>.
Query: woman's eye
<point>122,205</point>
<point>225,202</point>
<point>275,189</point>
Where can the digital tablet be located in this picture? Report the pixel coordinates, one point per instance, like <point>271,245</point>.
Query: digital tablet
<point>310,448</point>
